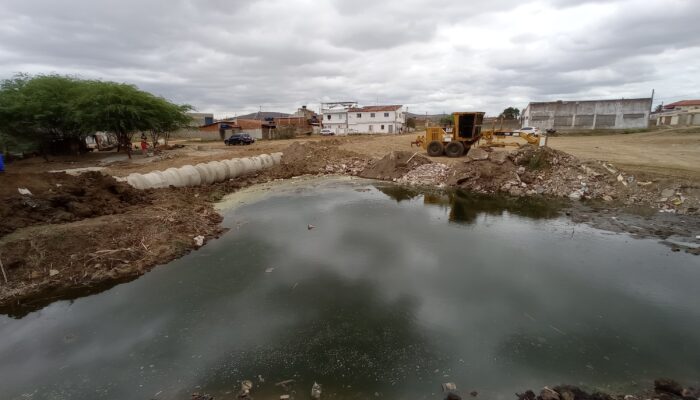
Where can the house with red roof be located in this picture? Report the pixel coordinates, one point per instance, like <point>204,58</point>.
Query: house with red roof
<point>684,112</point>
<point>350,119</point>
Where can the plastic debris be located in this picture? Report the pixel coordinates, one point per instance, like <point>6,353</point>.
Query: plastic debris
<point>310,227</point>
<point>24,191</point>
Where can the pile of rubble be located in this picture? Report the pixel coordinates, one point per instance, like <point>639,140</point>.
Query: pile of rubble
<point>394,165</point>
<point>433,174</point>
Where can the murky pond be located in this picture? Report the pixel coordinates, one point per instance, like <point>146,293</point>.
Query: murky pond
<point>391,294</point>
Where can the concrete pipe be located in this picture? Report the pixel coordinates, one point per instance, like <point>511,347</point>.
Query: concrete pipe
<point>154,180</point>
<point>191,175</point>
<point>248,165</point>
<point>277,158</point>
<point>205,173</point>
<point>267,160</point>
<point>234,168</point>
<point>175,178</point>
<point>220,170</point>
<point>257,163</point>
<point>137,180</point>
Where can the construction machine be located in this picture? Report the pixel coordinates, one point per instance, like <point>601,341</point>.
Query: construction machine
<point>454,141</point>
<point>493,137</point>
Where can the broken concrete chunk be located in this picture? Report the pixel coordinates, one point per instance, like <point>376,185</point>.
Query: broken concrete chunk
<point>53,272</point>
<point>668,193</point>
<point>549,394</point>
<point>498,157</point>
<point>199,241</point>
<point>476,153</point>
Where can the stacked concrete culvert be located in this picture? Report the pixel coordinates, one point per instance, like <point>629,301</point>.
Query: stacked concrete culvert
<point>203,173</point>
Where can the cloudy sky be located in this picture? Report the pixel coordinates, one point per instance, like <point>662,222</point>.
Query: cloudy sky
<point>233,56</point>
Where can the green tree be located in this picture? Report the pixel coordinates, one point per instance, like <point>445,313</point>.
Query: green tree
<point>446,119</point>
<point>510,113</point>
<point>411,122</point>
<point>36,112</point>
<point>125,110</point>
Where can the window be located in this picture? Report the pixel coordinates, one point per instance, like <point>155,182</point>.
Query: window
<point>359,115</point>
<point>382,127</point>
<point>386,114</point>
<point>329,117</point>
<point>371,115</point>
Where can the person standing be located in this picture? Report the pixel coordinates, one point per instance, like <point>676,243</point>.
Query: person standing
<point>144,145</point>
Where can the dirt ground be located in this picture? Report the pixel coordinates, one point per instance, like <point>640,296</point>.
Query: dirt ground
<point>80,234</point>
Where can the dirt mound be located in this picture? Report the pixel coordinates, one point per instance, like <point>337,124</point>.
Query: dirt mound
<point>302,158</point>
<point>394,165</point>
<point>59,197</point>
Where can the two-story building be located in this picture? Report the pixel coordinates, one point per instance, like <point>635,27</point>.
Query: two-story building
<point>376,119</point>
<point>346,118</point>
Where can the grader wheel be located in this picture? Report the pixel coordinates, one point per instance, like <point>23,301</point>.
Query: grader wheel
<point>454,149</point>
<point>435,148</point>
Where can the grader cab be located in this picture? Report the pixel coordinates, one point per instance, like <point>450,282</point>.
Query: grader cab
<point>454,141</point>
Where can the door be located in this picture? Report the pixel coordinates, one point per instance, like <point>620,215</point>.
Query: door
<point>391,128</point>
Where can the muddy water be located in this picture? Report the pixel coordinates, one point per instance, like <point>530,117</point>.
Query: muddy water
<point>393,293</point>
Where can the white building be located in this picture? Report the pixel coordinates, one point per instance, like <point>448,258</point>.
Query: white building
<point>686,112</point>
<point>346,117</point>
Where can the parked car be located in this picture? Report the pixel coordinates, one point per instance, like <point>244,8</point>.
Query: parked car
<point>239,138</point>
<point>327,132</point>
<point>529,130</point>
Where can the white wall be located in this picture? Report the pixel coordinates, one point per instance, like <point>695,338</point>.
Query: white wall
<point>392,121</point>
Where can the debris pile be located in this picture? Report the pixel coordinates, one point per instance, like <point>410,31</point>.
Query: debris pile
<point>433,174</point>
<point>59,197</point>
<point>532,170</point>
<point>394,165</point>
<point>311,158</point>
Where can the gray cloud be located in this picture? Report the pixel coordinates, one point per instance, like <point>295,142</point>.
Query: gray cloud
<point>433,56</point>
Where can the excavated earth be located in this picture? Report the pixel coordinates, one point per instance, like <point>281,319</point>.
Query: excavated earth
<point>75,235</point>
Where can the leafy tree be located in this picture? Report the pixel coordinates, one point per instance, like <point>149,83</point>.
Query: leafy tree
<point>510,113</point>
<point>39,112</point>
<point>659,108</point>
<point>166,118</point>
<point>125,110</point>
<point>411,122</point>
<point>446,120</point>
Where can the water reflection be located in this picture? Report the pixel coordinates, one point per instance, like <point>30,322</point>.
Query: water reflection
<point>383,296</point>
<point>465,206</point>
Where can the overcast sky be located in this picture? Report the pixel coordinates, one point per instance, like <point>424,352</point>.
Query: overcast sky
<point>232,56</point>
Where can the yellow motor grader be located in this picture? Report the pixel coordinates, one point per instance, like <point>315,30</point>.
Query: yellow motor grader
<point>466,130</point>
<point>453,141</point>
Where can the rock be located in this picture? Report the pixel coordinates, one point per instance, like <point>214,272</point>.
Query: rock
<point>529,395</point>
<point>567,395</point>
<point>476,153</point>
<point>285,397</point>
<point>521,170</point>
<point>53,272</point>
<point>607,198</point>
<point>316,391</point>
<point>668,386</point>
<point>197,396</point>
<point>498,157</point>
<point>199,240</point>
<point>516,191</point>
<point>576,195</point>
<point>24,191</point>
<point>549,394</point>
